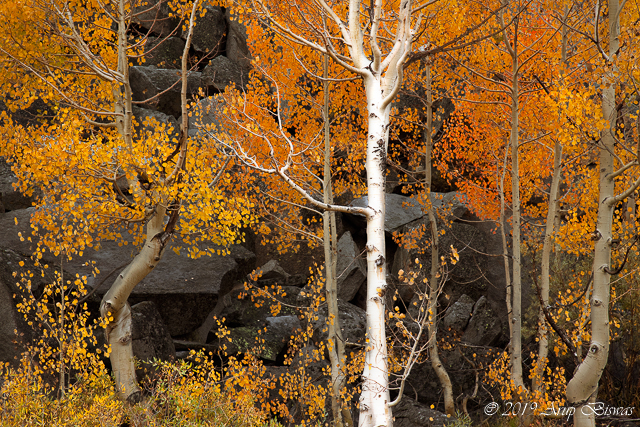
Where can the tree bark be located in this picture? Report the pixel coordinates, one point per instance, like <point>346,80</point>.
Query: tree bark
<point>584,384</point>
<point>374,398</point>
<point>116,310</point>
<point>341,413</point>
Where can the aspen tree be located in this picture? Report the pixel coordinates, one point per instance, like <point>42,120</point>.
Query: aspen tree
<point>583,387</point>
<point>101,174</point>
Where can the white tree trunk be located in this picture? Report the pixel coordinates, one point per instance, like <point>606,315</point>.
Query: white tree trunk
<point>584,384</point>
<point>374,399</point>
<point>114,307</point>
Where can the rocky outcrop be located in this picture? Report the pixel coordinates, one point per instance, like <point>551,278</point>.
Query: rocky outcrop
<point>146,118</point>
<point>209,34</point>
<point>150,338</point>
<point>237,49</point>
<point>457,316</point>
<point>163,52</point>
<point>410,413</point>
<point>222,72</point>
<point>160,87</point>
<point>156,17</point>
<point>484,327</point>
<point>351,268</point>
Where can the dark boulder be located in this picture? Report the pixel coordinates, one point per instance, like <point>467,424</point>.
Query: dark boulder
<point>161,87</point>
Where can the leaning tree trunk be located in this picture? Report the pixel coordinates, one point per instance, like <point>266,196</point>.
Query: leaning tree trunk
<point>114,307</point>
<point>116,310</point>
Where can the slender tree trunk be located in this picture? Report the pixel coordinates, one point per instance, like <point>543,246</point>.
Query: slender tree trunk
<point>374,398</point>
<point>516,317</point>
<point>584,384</point>
<point>432,311</point>
<point>552,219</point>
<point>341,413</point>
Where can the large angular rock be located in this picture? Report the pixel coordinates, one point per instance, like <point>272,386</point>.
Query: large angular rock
<point>144,115</point>
<point>163,52</point>
<point>185,290</point>
<point>457,316</point>
<point>149,335</point>
<point>164,85</point>
<point>240,309</point>
<point>350,268</point>
<point>409,413</point>
<point>209,32</point>
<point>237,49</point>
<point>402,210</point>
<point>467,275</point>
<point>485,327</point>
<point>271,274</point>
<point>221,72</point>
<point>353,323</point>
<point>154,16</point>
<point>272,342</point>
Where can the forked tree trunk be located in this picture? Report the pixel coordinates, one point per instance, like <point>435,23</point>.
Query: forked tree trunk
<point>114,307</point>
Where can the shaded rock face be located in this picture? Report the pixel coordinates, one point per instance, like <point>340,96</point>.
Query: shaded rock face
<point>161,87</point>
<point>209,34</point>
<point>484,327</point>
<point>221,72</point>
<point>410,413</point>
<point>236,48</point>
<point>457,316</point>
<point>144,115</point>
<point>163,52</point>
<point>353,323</point>
<point>240,309</point>
<point>351,269</point>
<point>149,336</point>
<point>269,342</point>
<point>184,290</point>
<point>154,16</point>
